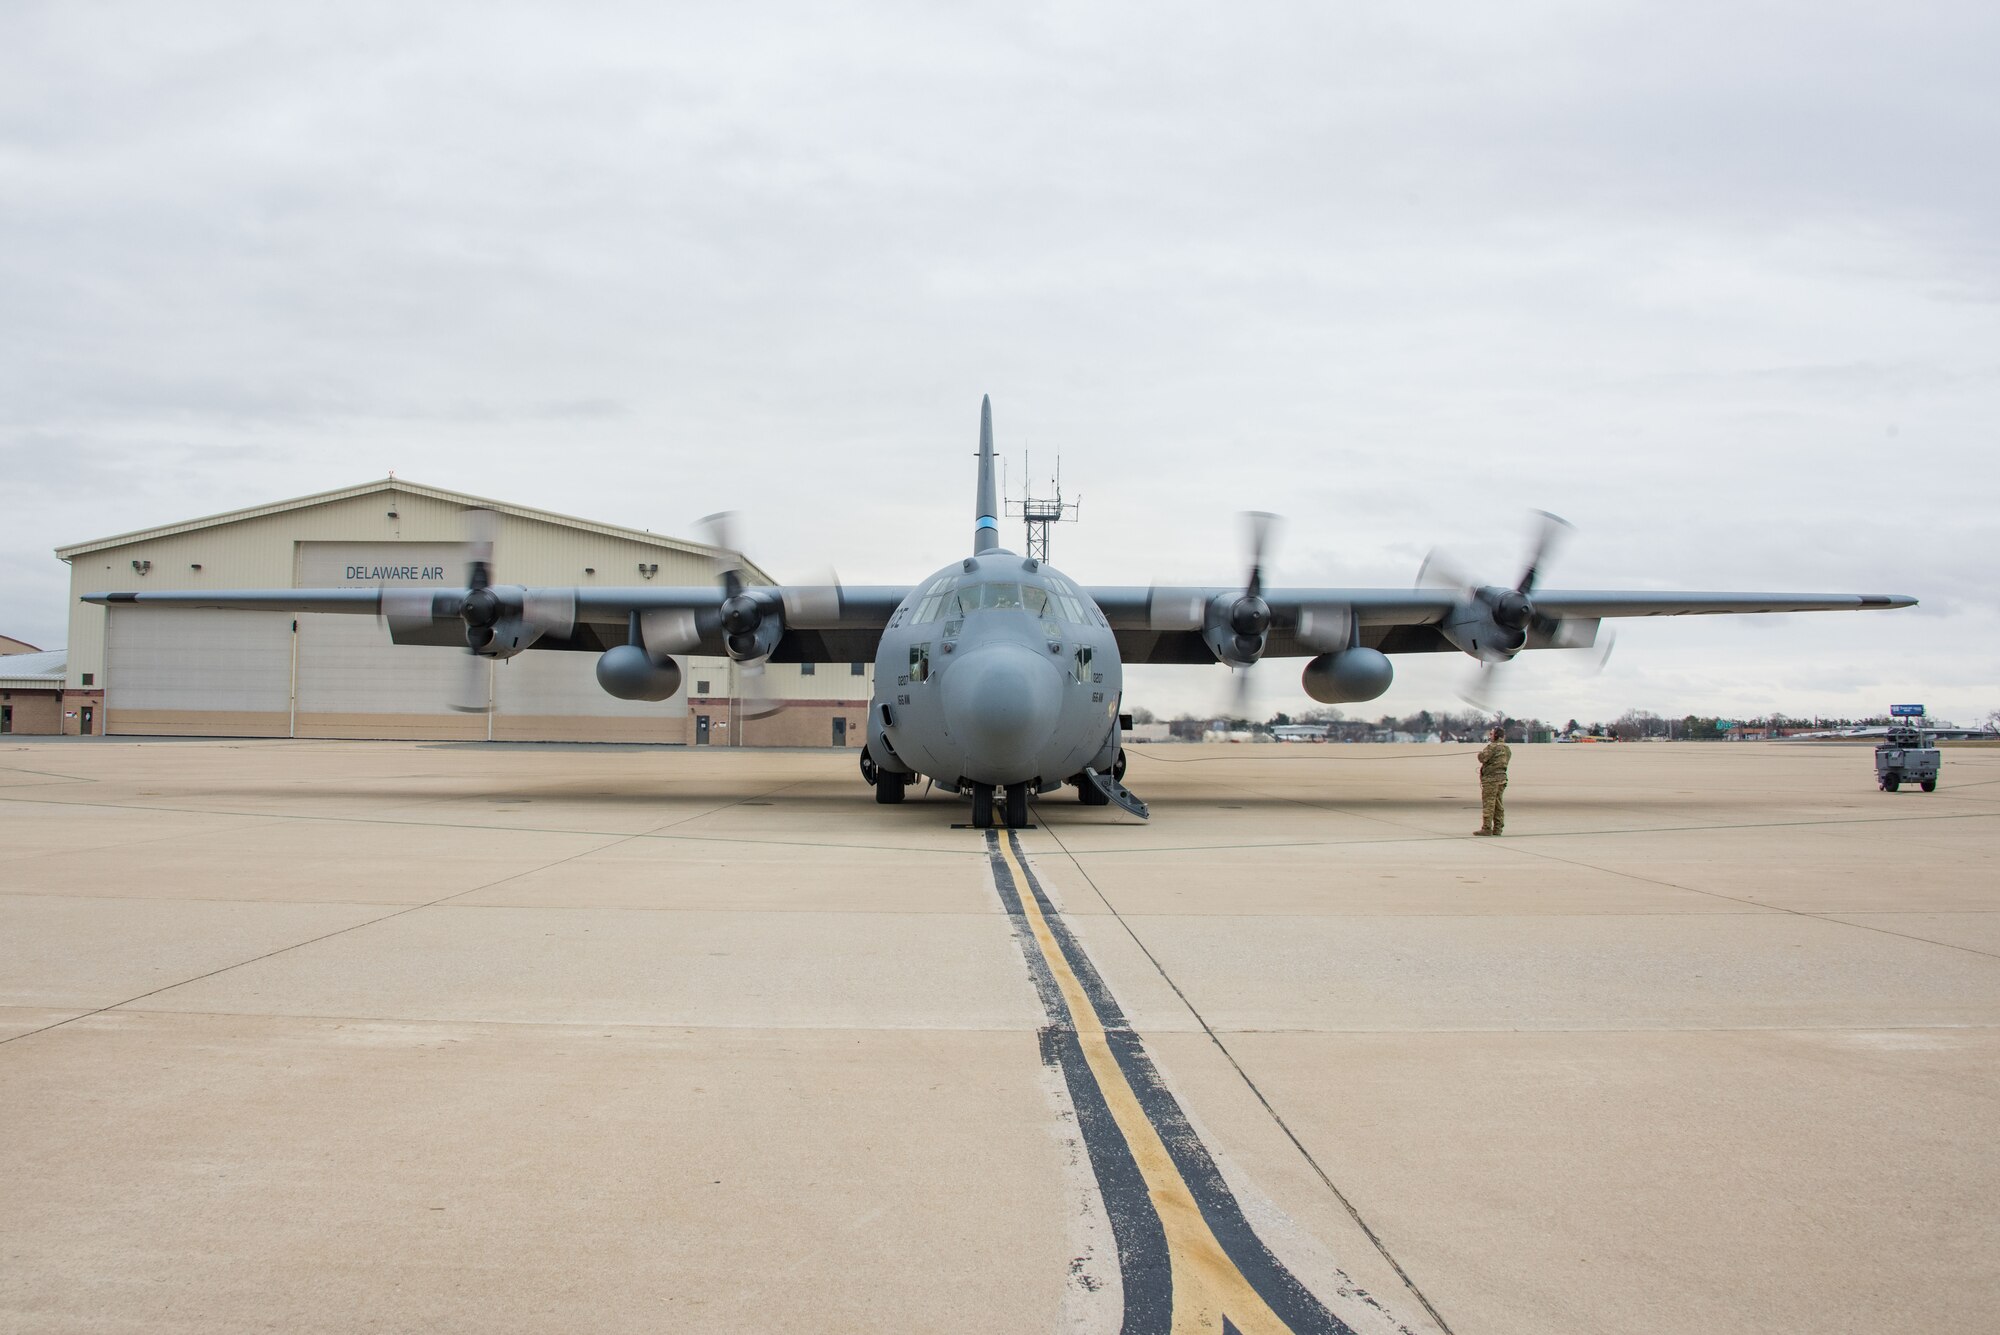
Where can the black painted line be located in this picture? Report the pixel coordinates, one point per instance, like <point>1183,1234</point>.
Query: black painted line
<point>1141,1241</point>
<point>1146,1273</point>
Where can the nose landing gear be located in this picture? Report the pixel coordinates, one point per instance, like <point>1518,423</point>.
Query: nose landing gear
<point>1014,805</point>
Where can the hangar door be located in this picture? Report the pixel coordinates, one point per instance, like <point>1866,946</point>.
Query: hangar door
<point>352,682</point>
<point>273,674</point>
<point>197,674</point>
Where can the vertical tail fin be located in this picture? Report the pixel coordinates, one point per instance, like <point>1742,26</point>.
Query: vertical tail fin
<point>986,528</point>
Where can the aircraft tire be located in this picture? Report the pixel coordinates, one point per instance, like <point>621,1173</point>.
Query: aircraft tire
<point>982,806</point>
<point>1088,794</point>
<point>1118,766</point>
<point>1017,806</point>
<point>889,788</point>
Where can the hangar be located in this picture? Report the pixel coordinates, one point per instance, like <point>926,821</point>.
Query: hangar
<point>152,672</point>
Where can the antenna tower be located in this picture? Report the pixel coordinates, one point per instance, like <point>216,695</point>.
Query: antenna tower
<point>1037,513</point>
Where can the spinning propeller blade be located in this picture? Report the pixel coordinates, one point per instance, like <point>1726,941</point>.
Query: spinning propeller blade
<point>1508,616</point>
<point>473,693</point>
<point>753,625</point>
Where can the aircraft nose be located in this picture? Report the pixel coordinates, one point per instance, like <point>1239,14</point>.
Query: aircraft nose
<point>1003,701</point>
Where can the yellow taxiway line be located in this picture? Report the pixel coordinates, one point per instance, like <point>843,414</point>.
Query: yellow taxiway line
<point>1209,1289</point>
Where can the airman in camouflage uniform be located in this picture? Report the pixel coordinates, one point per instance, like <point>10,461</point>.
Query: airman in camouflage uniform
<point>1493,758</point>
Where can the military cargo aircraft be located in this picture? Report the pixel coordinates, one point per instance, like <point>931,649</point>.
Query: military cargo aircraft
<point>996,676</point>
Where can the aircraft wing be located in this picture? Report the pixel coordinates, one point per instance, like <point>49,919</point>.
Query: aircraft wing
<point>833,623</point>
<point>822,623</point>
<point>1619,603</point>
<point>1165,624</point>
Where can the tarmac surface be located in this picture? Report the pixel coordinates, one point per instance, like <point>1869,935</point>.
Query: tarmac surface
<point>327,1036</point>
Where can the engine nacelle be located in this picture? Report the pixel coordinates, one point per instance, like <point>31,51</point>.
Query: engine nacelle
<point>1490,626</point>
<point>1348,676</point>
<point>1235,626</point>
<point>629,673</point>
<point>503,639</point>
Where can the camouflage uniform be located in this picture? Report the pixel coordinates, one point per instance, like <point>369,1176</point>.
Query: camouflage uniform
<point>1493,758</point>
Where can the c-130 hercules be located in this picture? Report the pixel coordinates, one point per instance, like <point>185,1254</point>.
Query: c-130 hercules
<point>998,677</point>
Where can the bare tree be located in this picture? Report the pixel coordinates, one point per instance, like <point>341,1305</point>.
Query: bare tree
<point>1636,723</point>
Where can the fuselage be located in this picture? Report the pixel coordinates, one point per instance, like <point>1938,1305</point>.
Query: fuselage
<point>996,670</point>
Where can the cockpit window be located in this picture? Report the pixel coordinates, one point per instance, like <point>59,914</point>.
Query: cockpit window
<point>941,602</point>
<point>938,603</point>
<point>991,596</point>
<point>930,606</point>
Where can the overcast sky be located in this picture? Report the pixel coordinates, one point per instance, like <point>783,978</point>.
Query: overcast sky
<point>1718,283</point>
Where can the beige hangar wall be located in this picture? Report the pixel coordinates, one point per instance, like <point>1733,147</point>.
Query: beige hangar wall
<point>317,675</point>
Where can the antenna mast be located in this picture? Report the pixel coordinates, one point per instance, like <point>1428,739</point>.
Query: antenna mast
<point>1037,513</point>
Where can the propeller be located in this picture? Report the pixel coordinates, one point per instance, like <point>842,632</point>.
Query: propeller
<point>749,633</point>
<point>480,610</point>
<point>1492,623</point>
<point>1250,617</point>
<point>495,620</point>
<point>750,622</point>
<point>1236,626</point>
<point>753,623</point>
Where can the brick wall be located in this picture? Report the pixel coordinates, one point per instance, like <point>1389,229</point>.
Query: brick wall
<point>799,723</point>
<point>37,713</point>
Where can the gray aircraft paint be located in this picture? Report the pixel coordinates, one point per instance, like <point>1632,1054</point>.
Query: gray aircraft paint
<point>975,683</point>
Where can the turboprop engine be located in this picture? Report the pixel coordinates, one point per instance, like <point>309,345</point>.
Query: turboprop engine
<point>1348,676</point>
<point>629,672</point>
<point>1491,624</point>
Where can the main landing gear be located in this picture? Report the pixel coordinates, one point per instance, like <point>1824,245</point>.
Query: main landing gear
<point>1013,802</point>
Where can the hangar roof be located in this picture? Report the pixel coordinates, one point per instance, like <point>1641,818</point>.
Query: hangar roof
<point>393,484</point>
<point>22,672</point>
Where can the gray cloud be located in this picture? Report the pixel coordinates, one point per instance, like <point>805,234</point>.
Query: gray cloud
<point>1718,284</point>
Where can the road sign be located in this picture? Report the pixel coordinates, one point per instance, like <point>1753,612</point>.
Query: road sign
<point>1906,711</point>
<point>1723,725</point>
